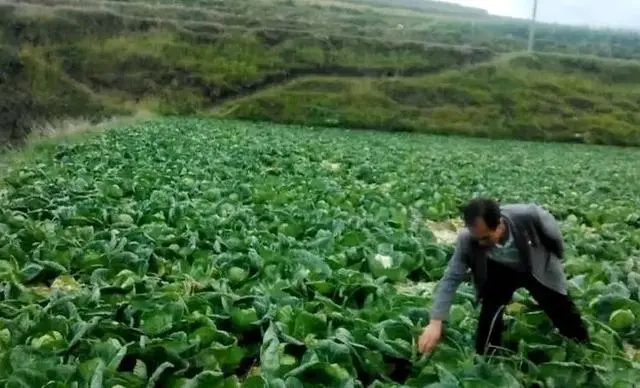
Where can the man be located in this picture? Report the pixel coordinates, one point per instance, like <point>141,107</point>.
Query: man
<point>505,248</point>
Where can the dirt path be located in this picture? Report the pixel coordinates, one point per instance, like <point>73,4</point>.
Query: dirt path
<point>286,76</point>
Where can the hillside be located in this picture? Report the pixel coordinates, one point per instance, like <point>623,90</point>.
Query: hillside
<point>432,7</point>
<point>542,97</point>
<point>94,59</point>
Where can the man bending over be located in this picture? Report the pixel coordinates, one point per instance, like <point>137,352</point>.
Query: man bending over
<point>505,247</point>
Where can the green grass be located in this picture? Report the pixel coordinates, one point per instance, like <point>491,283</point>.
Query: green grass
<point>429,7</point>
<point>96,59</point>
<point>537,97</point>
<point>165,69</point>
<point>200,253</point>
<point>33,91</point>
<point>331,18</point>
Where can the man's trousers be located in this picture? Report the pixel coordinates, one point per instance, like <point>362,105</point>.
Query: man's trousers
<point>500,286</point>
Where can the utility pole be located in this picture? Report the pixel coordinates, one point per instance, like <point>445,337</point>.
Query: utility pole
<point>532,26</point>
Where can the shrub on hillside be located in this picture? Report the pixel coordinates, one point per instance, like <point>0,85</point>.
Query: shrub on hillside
<point>32,91</point>
<point>16,103</point>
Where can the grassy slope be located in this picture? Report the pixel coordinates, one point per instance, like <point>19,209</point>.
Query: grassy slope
<point>32,90</point>
<point>547,97</point>
<point>95,58</point>
<point>425,6</point>
<point>329,18</point>
<point>127,61</point>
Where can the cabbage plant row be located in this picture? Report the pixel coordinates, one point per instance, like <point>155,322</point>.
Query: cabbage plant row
<point>198,253</point>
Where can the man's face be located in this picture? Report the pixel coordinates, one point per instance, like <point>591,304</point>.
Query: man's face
<point>483,233</point>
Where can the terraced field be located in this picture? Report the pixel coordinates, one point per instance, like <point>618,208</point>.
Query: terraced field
<point>430,22</point>
<point>201,253</point>
<point>410,66</point>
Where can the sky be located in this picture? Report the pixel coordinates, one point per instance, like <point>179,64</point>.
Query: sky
<point>600,13</point>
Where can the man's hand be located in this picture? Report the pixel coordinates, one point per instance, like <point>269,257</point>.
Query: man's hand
<point>430,337</point>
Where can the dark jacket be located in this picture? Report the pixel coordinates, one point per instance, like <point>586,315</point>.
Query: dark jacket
<point>538,240</point>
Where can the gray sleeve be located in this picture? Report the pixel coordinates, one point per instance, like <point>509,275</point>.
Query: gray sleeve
<point>456,273</point>
<point>550,230</point>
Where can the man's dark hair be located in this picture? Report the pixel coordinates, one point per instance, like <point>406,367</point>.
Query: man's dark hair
<point>485,208</point>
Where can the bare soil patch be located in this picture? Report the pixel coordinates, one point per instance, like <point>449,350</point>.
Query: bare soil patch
<point>446,231</point>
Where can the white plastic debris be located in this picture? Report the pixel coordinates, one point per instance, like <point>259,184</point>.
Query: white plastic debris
<point>384,260</point>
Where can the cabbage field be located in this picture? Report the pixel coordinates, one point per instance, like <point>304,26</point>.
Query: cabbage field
<point>201,253</point>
